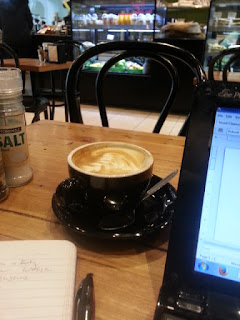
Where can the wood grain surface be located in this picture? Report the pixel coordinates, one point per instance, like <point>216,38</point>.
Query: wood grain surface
<point>232,76</point>
<point>127,274</point>
<point>34,65</point>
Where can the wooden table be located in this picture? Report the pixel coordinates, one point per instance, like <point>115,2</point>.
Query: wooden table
<point>232,76</point>
<point>35,66</point>
<point>128,274</point>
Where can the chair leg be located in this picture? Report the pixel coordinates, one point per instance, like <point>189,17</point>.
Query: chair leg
<point>46,114</point>
<point>36,117</point>
<point>24,80</point>
<point>52,108</point>
<point>66,111</point>
<point>184,129</point>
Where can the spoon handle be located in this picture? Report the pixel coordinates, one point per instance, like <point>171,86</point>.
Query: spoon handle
<point>159,185</point>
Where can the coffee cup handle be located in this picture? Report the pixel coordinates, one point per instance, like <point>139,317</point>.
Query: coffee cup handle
<point>115,202</point>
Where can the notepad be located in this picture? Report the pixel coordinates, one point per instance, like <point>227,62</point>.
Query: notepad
<point>37,279</point>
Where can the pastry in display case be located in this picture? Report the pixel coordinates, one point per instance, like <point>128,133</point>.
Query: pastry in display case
<point>184,19</point>
<point>122,66</point>
<point>223,31</point>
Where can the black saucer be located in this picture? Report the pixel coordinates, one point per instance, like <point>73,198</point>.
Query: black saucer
<point>152,215</point>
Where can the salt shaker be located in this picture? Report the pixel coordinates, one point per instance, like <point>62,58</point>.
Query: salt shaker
<point>13,139</point>
<point>3,185</point>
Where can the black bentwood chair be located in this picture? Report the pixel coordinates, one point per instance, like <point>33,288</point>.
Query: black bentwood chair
<point>73,48</point>
<point>162,53</point>
<point>234,56</point>
<point>34,105</point>
<point>224,92</point>
<point>58,77</point>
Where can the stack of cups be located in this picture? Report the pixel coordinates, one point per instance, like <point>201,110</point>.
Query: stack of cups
<point>13,140</point>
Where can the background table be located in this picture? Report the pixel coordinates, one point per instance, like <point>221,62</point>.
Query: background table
<point>34,66</point>
<point>232,76</point>
<point>127,275</point>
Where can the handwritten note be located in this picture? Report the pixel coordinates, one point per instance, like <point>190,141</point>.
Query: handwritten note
<point>37,279</point>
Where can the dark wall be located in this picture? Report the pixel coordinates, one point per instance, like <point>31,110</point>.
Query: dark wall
<point>130,91</point>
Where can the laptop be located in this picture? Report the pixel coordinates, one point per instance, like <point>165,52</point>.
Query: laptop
<point>202,271</point>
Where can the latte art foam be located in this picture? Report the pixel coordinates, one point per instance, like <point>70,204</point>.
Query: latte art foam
<point>111,160</point>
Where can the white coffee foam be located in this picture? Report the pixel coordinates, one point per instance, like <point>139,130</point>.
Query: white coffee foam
<point>111,160</point>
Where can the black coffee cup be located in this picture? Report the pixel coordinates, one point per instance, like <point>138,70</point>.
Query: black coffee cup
<point>113,175</point>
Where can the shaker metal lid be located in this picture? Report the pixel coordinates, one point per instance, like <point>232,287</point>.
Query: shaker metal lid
<point>10,81</point>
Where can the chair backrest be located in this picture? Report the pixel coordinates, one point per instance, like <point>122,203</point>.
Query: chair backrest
<point>72,43</point>
<point>33,105</point>
<point>7,52</point>
<point>131,53</point>
<point>234,55</point>
<point>159,52</point>
<point>70,46</point>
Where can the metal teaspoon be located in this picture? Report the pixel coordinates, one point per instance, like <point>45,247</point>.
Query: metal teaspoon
<point>124,219</point>
<point>159,185</point>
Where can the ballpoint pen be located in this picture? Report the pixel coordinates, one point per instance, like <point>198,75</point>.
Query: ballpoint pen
<point>84,300</point>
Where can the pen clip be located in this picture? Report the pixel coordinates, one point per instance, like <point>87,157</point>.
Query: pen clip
<point>77,300</point>
<point>84,300</point>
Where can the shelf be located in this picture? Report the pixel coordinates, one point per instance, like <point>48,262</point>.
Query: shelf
<point>140,28</point>
<point>224,28</point>
<point>212,53</point>
<point>119,6</point>
<point>187,8</point>
<point>227,4</point>
<point>125,75</point>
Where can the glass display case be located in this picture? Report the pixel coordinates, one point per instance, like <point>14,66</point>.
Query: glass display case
<point>142,20</point>
<point>97,20</point>
<point>181,20</point>
<point>223,30</point>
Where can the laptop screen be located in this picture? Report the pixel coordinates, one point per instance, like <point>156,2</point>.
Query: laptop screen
<point>218,243</point>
